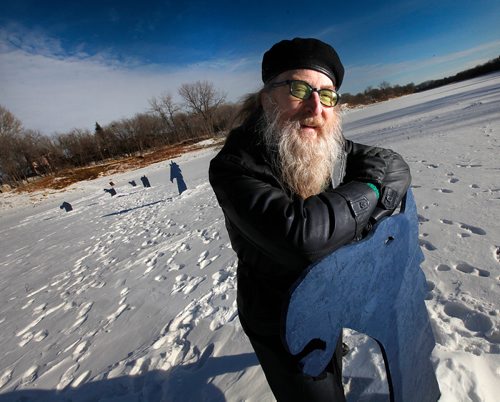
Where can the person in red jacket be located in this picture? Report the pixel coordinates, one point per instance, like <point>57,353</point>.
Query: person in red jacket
<point>293,190</point>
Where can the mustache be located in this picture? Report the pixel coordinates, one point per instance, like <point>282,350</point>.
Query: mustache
<point>311,121</point>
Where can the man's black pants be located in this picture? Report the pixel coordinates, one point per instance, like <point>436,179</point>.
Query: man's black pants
<point>285,377</point>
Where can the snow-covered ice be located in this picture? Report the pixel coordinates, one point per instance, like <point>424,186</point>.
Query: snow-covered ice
<point>132,297</point>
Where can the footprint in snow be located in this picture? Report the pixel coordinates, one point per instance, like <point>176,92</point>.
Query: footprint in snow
<point>80,350</point>
<point>40,335</point>
<point>30,375</point>
<point>443,190</point>
<point>473,320</point>
<point>208,238</point>
<point>469,269</point>
<point>186,284</point>
<point>422,218</point>
<point>203,261</point>
<point>67,377</point>
<point>467,166</point>
<point>469,228</point>
<point>81,379</point>
<point>427,245</point>
<point>173,265</point>
<point>430,287</point>
<point>6,377</point>
<point>473,229</point>
<point>443,268</point>
<point>112,317</point>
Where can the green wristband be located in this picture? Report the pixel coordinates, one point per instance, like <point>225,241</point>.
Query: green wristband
<point>374,188</point>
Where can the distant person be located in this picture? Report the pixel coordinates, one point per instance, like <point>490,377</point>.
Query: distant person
<point>145,181</point>
<point>111,183</point>
<point>293,190</point>
<point>111,191</point>
<point>175,173</point>
<point>66,206</point>
<point>132,183</point>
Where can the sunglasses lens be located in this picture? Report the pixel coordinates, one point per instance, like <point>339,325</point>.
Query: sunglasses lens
<point>328,97</point>
<point>300,89</point>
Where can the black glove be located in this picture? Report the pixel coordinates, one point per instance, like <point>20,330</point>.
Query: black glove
<point>368,167</point>
<point>393,187</point>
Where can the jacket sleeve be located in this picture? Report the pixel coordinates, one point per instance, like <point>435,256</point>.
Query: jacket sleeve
<point>289,230</point>
<point>394,183</point>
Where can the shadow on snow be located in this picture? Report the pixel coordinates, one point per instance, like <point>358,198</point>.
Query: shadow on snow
<point>191,382</point>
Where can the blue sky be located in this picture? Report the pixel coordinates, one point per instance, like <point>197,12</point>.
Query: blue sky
<point>66,64</point>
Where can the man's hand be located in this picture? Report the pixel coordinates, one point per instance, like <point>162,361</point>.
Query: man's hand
<point>368,167</point>
<point>394,186</point>
<point>388,171</point>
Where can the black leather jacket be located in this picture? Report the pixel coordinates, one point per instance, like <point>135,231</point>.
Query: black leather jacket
<point>276,234</point>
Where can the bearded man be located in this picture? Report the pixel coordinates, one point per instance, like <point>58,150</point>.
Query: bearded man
<point>293,190</point>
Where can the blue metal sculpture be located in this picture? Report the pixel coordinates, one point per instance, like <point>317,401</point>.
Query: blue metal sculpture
<point>376,287</point>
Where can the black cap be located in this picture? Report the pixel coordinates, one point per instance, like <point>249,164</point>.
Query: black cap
<point>299,53</point>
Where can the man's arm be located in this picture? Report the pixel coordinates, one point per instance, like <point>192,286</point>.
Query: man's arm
<point>393,183</point>
<point>289,229</point>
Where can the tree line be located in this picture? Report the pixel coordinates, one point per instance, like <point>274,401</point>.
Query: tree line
<point>202,113</point>
<point>385,91</point>
<point>25,153</point>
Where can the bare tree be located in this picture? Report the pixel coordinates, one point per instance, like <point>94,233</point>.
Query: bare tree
<point>11,128</point>
<point>201,98</point>
<point>165,108</point>
<point>10,125</point>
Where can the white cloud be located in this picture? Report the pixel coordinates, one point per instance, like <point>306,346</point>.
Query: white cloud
<point>52,92</point>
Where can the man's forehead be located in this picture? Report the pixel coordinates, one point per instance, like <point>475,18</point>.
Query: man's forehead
<point>311,76</point>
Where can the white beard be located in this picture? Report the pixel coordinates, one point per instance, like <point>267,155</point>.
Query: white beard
<point>305,165</point>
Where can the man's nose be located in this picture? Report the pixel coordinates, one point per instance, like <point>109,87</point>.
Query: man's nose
<point>313,105</point>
